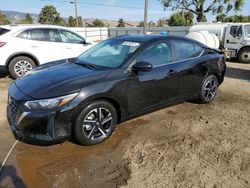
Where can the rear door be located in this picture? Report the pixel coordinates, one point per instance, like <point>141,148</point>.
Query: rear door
<point>41,42</point>
<point>188,62</point>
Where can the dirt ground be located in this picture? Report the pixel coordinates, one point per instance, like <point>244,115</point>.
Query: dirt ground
<point>188,145</point>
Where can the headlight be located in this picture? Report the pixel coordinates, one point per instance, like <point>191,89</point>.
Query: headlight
<point>49,103</point>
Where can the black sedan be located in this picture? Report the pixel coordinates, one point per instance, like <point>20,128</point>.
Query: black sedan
<point>116,80</point>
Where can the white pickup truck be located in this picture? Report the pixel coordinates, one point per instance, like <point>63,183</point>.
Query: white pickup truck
<point>234,37</point>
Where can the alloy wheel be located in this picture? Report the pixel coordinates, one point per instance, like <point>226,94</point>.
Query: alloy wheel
<point>22,67</point>
<point>210,89</point>
<point>97,124</point>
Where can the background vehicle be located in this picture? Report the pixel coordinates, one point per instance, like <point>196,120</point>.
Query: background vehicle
<point>23,47</point>
<point>114,81</point>
<point>235,37</point>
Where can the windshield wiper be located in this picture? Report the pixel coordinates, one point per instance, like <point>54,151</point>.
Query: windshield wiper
<point>90,66</point>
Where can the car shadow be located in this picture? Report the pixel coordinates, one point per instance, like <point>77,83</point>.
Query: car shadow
<point>238,73</point>
<point>4,74</point>
<point>9,171</point>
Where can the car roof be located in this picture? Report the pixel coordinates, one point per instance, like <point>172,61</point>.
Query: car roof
<point>27,26</point>
<point>148,38</point>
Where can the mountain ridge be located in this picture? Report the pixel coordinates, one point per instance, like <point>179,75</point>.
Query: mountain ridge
<point>17,16</point>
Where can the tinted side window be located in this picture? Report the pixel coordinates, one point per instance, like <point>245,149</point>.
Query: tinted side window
<point>239,32</point>
<point>3,31</point>
<point>234,30</point>
<point>69,37</point>
<point>42,35</point>
<point>24,34</point>
<point>185,49</point>
<point>157,54</point>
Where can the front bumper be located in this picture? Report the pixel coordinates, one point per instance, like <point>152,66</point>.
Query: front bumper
<point>43,127</point>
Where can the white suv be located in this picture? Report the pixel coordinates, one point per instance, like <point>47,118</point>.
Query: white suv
<point>23,47</point>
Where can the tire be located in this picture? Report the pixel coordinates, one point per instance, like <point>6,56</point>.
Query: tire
<point>209,89</point>
<point>244,55</point>
<point>90,128</point>
<point>20,65</point>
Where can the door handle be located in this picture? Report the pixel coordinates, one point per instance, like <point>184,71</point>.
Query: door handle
<point>227,41</point>
<point>68,48</point>
<point>32,46</point>
<point>171,72</point>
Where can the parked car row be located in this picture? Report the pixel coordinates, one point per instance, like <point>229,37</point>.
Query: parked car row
<point>23,47</point>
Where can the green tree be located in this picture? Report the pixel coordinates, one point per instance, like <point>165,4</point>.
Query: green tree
<point>27,19</point>
<point>221,17</point>
<point>161,23</point>
<point>151,24</point>
<point>121,23</point>
<point>60,21</point>
<point>201,7</point>
<point>49,15</point>
<point>3,19</point>
<point>189,17</point>
<point>234,18</point>
<point>177,20</point>
<point>72,21</point>
<point>237,18</point>
<point>141,24</point>
<point>98,23</point>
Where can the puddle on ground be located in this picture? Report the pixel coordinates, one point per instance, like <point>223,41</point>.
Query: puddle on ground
<point>67,164</point>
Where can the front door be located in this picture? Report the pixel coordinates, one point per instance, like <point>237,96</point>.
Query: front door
<point>72,44</point>
<point>43,44</point>
<point>234,36</point>
<point>155,87</point>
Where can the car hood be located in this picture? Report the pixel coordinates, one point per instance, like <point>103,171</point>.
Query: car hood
<point>57,79</point>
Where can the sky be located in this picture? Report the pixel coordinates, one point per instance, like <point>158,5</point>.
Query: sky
<point>132,10</point>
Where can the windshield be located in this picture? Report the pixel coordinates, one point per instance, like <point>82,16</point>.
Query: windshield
<point>247,31</point>
<point>109,54</point>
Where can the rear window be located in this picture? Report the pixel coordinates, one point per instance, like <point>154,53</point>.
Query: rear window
<point>48,35</point>
<point>185,50</point>
<point>3,31</point>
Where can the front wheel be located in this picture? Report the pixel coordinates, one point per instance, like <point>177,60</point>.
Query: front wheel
<point>95,123</point>
<point>244,55</point>
<point>209,89</point>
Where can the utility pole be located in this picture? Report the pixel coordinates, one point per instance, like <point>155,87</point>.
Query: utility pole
<point>76,17</point>
<point>145,17</point>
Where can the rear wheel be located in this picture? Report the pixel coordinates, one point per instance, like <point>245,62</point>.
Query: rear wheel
<point>95,123</point>
<point>20,65</point>
<point>209,89</point>
<point>244,55</point>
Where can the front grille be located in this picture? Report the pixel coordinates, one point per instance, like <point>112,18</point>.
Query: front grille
<point>14,106</point>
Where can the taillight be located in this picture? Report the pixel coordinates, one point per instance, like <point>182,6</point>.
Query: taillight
<point>2,44</point>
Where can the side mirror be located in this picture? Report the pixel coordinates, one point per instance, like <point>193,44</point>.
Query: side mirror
<point>142,66</point>
<point>83,42</point>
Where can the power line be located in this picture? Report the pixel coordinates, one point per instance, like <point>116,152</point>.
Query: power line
<point>101,4</point>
